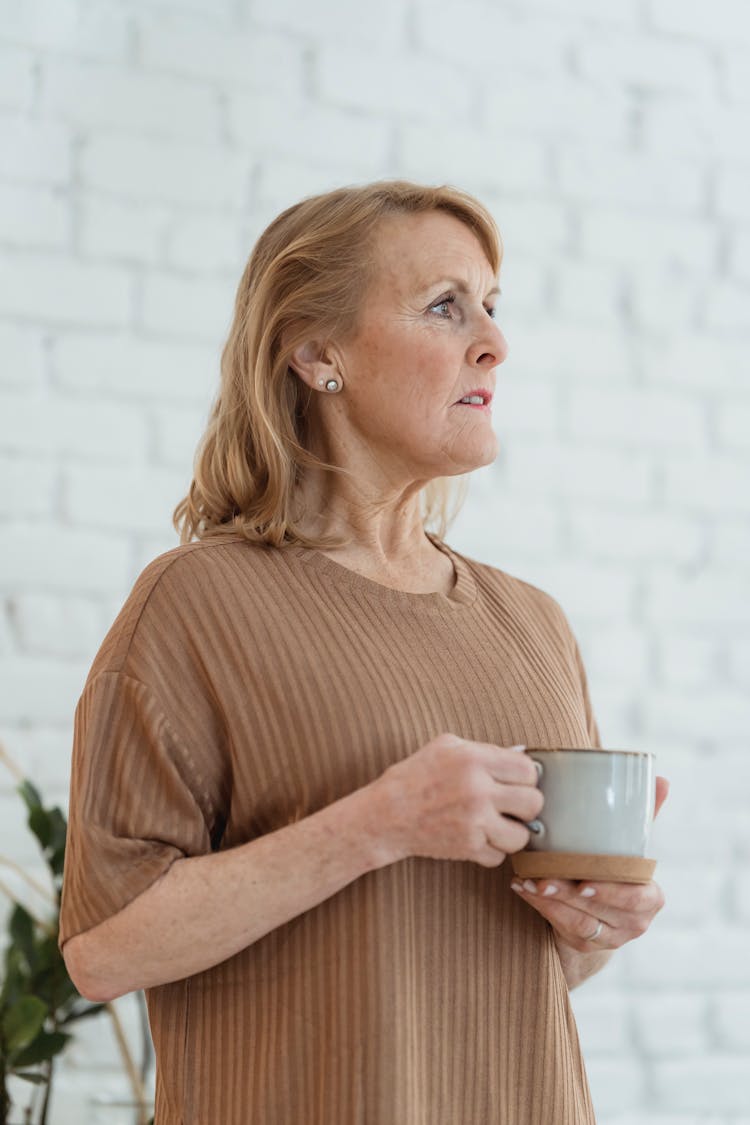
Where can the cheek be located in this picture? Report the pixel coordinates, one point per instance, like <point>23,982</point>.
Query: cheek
<point>412,369</point>
<point>434,374</point>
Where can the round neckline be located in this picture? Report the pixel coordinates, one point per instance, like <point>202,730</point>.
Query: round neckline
<point>462,595</point>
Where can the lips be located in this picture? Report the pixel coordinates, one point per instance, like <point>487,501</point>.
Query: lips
<point>486,396</point>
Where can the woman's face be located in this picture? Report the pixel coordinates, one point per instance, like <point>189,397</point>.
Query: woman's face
<point>423,344</point>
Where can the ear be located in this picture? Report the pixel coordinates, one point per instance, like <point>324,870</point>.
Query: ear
<point>311,363</point>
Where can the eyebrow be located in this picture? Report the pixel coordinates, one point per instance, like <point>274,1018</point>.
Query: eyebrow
<point>461,286</point>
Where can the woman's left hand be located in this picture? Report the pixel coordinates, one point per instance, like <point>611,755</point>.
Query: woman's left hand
<point>595,916</point>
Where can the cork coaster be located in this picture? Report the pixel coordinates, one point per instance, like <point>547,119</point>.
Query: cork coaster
<point>572,865</point>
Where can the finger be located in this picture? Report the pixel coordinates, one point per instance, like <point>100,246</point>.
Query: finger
<point>588,933</point>
<point>490,856</point>
<point>627,906</point>
<point>509,765</point>
<point>522,801</point>
<point>574,924</point>
<point>564,889</point>
<point>503,763</point>
<point>506,834</point>
<point>620,899</point>
<point>662,791</point>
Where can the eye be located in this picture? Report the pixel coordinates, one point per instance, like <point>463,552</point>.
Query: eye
<point>449,300</point>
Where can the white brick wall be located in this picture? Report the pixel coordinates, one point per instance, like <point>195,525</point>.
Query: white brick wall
<point>145,144</point>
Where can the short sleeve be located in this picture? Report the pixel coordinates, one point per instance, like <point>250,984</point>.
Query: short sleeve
<point>137,801</point>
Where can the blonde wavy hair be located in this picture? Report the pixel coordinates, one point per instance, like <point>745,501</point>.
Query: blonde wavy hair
<point>306,278</point>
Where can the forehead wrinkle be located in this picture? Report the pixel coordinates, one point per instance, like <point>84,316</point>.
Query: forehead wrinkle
<point>430,246</point>
<point>458,284</point>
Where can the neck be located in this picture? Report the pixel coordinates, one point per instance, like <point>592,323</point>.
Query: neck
<point>387,531</point>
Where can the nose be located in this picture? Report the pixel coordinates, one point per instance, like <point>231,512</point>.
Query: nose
<point>491,348</point>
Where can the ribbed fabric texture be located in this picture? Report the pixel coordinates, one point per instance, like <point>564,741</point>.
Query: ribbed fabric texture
<point>243,687</point>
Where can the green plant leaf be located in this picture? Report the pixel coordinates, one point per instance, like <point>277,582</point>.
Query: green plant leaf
<point>16,979</point>
<point>82,1013</point>
<point>56,863</point>
<point>45,953</point>
<point>21,928</point>
<point>58,827</point>
<point>48,825</point>
<point>22,1022</point>
<point>30,794</point>
<point>65,993</point>
<point>46,1045</point>
<point>31,1076</point>
<point>39,824</point>
<point>43,986</point>
<point>58,992</point>
<point>37,997</point>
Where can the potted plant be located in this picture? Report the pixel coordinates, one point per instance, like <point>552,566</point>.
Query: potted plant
<point>39,1004</point>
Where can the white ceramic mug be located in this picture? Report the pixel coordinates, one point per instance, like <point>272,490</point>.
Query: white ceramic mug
<point>596,802</point>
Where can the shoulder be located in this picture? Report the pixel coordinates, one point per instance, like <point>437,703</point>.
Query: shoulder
<point>184,567</point>
<point>172,588</point>
<point>519,596</point>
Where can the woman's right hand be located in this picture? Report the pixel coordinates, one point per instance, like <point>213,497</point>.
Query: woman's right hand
<point>456,799</point>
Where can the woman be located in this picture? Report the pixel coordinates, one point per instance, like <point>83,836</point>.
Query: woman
<point>296,774</point>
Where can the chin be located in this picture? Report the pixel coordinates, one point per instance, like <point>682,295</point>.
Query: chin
<point>488,454</point>
<point>471,466</point>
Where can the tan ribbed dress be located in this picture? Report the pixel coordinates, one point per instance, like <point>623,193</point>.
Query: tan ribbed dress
<point>243,687</point>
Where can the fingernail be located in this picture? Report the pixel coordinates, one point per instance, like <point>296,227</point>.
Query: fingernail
<point>529,886</point>
<point>550,889</point>
<point>588,892</point>
<point>516,887</point>
<point>516,747</point>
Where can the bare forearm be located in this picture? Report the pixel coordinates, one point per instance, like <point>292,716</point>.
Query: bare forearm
<point>578,967</point>
<point>206,908</point>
